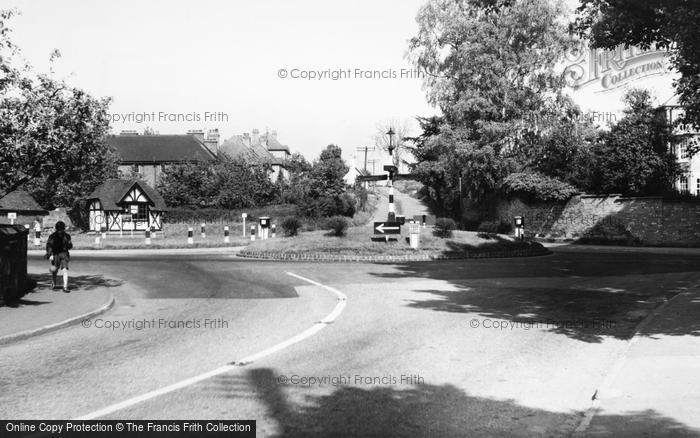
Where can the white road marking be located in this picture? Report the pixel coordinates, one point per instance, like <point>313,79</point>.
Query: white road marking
<point>331,317</point>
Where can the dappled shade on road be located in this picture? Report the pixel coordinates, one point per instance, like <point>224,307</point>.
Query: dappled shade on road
<point>587,297</point>
<point>423,410</point>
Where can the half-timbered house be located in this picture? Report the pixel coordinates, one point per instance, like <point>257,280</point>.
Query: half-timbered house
<point>125,205</point>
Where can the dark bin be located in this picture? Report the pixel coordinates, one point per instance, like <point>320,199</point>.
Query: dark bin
<point>13,262</point>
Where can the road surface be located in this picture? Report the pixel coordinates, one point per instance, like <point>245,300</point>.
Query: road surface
<point>501,347</point>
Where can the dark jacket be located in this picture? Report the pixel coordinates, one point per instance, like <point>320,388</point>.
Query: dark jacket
<point>59,241</point>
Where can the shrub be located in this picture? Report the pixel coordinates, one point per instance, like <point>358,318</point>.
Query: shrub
<point>537,187</point>
<point>495,227</point>
<point>444,227</point>
<point>290,225</point>
<point>338,225</point>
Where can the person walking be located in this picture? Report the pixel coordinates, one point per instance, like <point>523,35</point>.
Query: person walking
<point>57,247</point>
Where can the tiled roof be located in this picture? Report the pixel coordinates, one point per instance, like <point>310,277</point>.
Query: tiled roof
<point>110,192</point>
<point>239,147</point>
<point>134,149</point>
<point>19,200</point>
<point>273,144</point>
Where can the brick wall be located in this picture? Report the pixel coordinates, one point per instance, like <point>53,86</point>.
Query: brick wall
<point>650,220</point>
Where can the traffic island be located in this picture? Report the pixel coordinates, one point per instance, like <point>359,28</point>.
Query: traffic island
<point>357,247</point>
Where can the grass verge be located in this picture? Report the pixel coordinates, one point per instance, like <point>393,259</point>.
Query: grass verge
<point>357,243</point>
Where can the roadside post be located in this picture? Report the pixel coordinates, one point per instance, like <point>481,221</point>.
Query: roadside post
<point>392,171</point>
<point>148,237</point>
<point>190,238</point>
<point>97,239</point>
<point>274,231</point>
<point>154,234</point>
<point>252,232</point>
<point>414,234</point>
<point>227,239</point>
<point>244,215</point>
<point>12,216</point>
<point>103,231</point>
<point>264,226</point>
<point>204,231</point>
<point>26,227</point>
<point>519,225</point>
<point>37,238</point>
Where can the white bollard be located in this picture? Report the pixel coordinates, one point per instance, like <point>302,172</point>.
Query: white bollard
<point>274,231</point>
<point>204,232</point>
<point>190,238</point>
<point>148,237</point>
<point>252,232</point>
<point>227,239</point>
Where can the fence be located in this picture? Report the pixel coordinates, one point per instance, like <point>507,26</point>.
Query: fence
<point>13,262</point>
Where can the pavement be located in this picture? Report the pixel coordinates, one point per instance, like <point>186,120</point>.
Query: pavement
<point>652,391</point>
<point>43,310</point>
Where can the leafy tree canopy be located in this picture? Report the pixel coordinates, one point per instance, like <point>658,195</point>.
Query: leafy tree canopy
<point>669,24</point>
<point>51,134</point>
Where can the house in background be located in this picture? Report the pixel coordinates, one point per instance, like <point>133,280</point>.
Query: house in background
<point>683,139</point>
<point>259,149</point>
<point>22,205</point>
<point>125,205</point>
<point>147,155</point>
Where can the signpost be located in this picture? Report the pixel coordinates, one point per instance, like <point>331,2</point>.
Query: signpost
<point>387,228</point>
<point>244,215</point>
<point>12,217</point>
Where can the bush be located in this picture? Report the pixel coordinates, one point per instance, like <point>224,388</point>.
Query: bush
<point>444,227</point>
<point>338,225</point>
<point>537,187</point>
<point>495,227</point>
<point>290,225</point>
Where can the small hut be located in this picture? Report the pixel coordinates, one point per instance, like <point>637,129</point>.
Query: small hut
<point>19,207</point>
<point>125,205</point>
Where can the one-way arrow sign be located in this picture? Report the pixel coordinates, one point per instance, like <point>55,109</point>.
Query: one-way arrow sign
<point>387,228</point>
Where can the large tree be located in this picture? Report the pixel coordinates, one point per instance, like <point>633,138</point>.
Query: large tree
<point>667,24</point>
<point>491,70</point>
<point>633,158</point>
<point>52,135</point>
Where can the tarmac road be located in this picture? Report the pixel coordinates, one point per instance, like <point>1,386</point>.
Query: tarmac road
<point>494,347</point>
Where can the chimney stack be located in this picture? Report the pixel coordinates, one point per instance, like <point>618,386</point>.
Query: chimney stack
<point>197,133</point>
<point>212,141</point>
<point>255,138</point>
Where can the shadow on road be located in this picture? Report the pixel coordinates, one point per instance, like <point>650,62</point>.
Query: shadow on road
<point>422,411</point>
<point>548,291</point>
<point>81,282</point>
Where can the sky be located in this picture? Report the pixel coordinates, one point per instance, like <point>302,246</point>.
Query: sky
<point>235,65</point>
<point>181,65</point>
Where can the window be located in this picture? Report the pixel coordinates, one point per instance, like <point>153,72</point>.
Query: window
<point>135,168</point>
<point>138,212</point>
<point>684,184</point>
